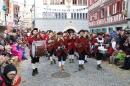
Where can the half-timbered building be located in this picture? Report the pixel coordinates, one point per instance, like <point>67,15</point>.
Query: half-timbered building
<point>107,15</point>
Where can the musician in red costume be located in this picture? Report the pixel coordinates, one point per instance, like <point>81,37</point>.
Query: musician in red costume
<point>52,47</point>
<point>61,51</point>
<point>34,60</point>
<point>98,42</point>
<point>42,35</point>
<point>71,45</point>
<point>82,48</point>
<point>47,37</point>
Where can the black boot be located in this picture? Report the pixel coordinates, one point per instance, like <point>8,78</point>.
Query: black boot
<point>85,61</point>
<point>51,62</point>
<point>79,67</point>
<point>70,61</point>
<point>82,67</point>
<point>33,72</point>
<point>54,61</point>
<point>98,67</point>
<point>122,67</point>
<point>36,71</point>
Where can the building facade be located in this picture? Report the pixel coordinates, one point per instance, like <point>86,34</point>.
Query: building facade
<point>10,17</point>
<point>107,15</point>
<point>57,14</point>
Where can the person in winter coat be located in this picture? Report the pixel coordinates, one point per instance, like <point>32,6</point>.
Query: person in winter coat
<point>8,75</point>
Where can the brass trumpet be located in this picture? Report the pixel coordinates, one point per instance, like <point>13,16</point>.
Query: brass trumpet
<point>52,38</point>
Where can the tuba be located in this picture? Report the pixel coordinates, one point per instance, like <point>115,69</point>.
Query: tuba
<point>87,39</point>
<point>52,38</point>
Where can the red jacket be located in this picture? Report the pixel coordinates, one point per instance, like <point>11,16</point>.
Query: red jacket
<point>110,50</point>
<point>71,43</point>
<point>42,37</point>
<point>25,39</point>
<point>30,40</point>
<point>127,49</point>
<point>1,79</point>
<point>60,43</point>
<point>83,45</point>
<point>96,47</point>
<point>50,47</point>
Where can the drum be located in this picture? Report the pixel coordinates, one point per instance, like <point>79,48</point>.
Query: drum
<point>38,48</point>
<point>102,50</point>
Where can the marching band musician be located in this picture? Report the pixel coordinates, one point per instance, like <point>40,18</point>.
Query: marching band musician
<point>52,47</point>
<point>87,36</point>
<point>82,48</point>
<point>61,51</point>
<point>34,60</point>
<point>71,45</point>
<point>97,42</point>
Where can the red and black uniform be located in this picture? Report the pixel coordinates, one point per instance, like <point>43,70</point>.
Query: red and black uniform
<point>82,47</point>
<point>51,46</point>
<point>71,44</point>
<point>96,50</point>
<point>61,49</point>
<point>30,40</point>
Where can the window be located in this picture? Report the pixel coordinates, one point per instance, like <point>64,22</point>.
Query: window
<point>54,15</point>
<point>114,8</point>
<point>96,16</point>
<point>72,16</point>
<point>80,2</point>
<point>90,17</point>
<point>125,4</point>
<point>108,12</point>
<point>77,15</point>
<point>102,13</point>
<point>74,2</point>
<point>84,2</point>
<point>54,1</point>
<point>81,15</point>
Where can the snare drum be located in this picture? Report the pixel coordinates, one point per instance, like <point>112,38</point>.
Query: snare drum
<point>103,51</point>
<point>38,48</point>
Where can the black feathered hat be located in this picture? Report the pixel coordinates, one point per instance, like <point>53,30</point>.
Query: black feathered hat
<point>70,30</point>
<point>60,33</point>
<point>34,29</point>
<point>81,31</point>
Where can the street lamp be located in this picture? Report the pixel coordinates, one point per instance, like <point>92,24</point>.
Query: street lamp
<point>5,8</point>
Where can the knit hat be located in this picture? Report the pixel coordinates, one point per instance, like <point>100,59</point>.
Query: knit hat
<point>9,69</point>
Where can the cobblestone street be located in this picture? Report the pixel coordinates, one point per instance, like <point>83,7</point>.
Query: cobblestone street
<point>108,76</point>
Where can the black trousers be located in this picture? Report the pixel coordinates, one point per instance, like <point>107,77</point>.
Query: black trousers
<point>99,56</point>
<point>71,52</point>
<point>82,55</point>
<point>63,56</point>
<point>34,59</point>
<point>53,51</point>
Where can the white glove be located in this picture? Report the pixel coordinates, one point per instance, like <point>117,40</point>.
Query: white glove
<point>96,44</point>
<point>58,48</point>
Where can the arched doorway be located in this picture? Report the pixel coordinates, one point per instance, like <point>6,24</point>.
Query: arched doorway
<point>71,27</point>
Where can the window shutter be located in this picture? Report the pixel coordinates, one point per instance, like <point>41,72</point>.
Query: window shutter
<point>118,7</point>
<point>105,12</point>
<point>111,9</point>
<point>121,6</point>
